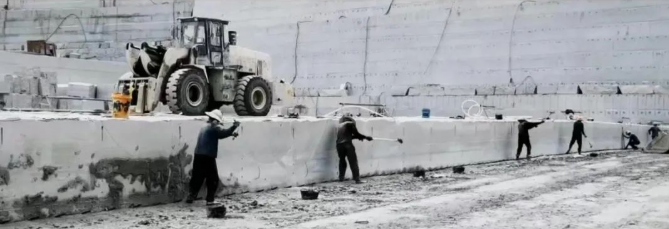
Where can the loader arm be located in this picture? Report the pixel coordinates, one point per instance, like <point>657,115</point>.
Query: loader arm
<point>174,57</point>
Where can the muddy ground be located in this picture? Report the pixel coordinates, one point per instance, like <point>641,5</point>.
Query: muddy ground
<point>618,189</point>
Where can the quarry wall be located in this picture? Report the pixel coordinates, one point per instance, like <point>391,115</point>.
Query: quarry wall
<point>463,46</point>
<point>635,108</point>
<point>376,45</point>
<point>543,47</point>
<point>93,29</point>
<point>58,166</point>
<point>68,70</point>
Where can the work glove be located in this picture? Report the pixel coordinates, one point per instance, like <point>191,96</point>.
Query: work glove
<point>236,123</point>
<point>369,138</point>
<point>235,134</point>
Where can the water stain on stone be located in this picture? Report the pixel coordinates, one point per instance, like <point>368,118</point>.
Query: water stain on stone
<point>162,173</point>
<point>33,205</point>
<point>4,176</point>
<point>24,161</point>
<point>85,186</point>
<point>47,171</point>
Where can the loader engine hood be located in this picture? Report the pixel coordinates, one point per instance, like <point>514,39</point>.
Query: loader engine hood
<point>251,61</point>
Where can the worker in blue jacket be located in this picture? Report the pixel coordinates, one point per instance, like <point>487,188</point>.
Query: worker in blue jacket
<point>346,132</point>
<point>633,140</point>
<point>206,151</point>
<point>524,136</point>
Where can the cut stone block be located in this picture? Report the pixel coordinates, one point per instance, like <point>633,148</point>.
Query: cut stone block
<point>33,86</point>
<point>48,84</point>
<point>22,101</point>
<point>105,91</point>
<point>5,87</point>
<point>81,90</point>
<point>61,89</point>
<point>82,105</point>
<point>11,81</point>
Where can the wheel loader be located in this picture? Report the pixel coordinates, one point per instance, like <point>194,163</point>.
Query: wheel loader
<point>203,71</point>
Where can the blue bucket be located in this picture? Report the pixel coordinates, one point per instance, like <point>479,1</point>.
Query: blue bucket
<point>426,113</point>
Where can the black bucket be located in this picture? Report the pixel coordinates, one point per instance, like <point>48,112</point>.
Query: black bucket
<point>459,169</point>
<point>309,194</point>
<point>216,211</point>
<point>499,116</point>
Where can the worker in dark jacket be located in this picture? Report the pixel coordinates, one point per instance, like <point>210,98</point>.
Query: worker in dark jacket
<point>346,132</point>
<point>206,151</point>
<point>654,131</point>
<point>524,136</point>
<point>577,135</point>
<point>634,140</point>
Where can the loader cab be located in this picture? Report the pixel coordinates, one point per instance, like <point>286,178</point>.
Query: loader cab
<point>206,39</point>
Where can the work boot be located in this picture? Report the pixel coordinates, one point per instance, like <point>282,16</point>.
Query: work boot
<point>359,182</point>
<point>189,199</point>
<point>568,152</point>
<point>341,179</point>
<point>517,157</point>
<point>529,157</point>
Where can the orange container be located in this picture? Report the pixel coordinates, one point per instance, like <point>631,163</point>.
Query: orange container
<point>121,105</point>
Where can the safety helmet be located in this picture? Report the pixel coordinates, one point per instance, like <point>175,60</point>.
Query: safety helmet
<point>346,119</point>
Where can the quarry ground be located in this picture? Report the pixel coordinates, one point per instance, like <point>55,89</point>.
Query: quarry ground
<point>617,189</point>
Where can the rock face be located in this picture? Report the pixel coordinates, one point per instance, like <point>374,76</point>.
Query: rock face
<point>216,212</point>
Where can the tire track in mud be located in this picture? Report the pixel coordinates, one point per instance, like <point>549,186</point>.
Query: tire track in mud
<point>602,202</point>
<point>587,176</point>
<point>491,195</point>
<point>622,171</point>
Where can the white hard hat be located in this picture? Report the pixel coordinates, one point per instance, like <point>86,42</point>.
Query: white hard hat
<point>215,114</point>
<point>628,132</point>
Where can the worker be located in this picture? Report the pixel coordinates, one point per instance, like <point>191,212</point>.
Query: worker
<point>577,135</point>
<point>346,132</point>
<point>524,136</point>
<point>634,140</point>
<point>206,151</point>
<point>654,131</point>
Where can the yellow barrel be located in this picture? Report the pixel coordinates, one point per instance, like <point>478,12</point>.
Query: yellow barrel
<point>121,105</point>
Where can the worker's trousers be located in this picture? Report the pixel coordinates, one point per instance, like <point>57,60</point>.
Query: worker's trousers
<point>576,139</point>
<point>347,150</point>
<point>204,168</point>
<point>524,141</point>
<point>633,145</point>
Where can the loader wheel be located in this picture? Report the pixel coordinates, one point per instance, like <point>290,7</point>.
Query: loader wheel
<point>253,96</point>
<point>187,92</point>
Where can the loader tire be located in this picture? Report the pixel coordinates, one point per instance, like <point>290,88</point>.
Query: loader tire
<point>187,92</point>
<point>253,96</point>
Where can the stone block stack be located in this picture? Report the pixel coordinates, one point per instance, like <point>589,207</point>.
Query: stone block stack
<point>31,87</point>
<point>28,88</point>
